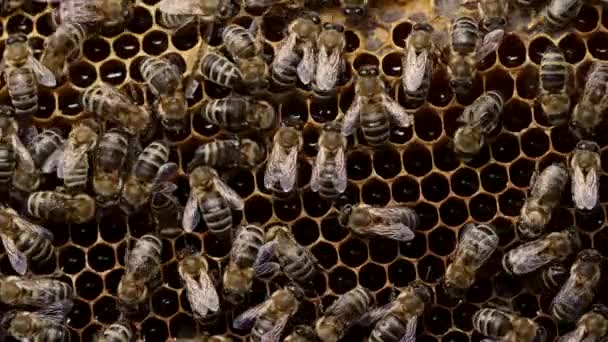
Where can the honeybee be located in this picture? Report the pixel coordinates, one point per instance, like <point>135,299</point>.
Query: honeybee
<point>295,57</point>
<point>329,170</point>
<point>9,6</point>
<point>592,326</point>
<point>346,310</point>
<point>373,109</point>
<point>532,255</point>
<point>397,321</point>
<point>142,271</point>
<point>576,295</point>
<point>507,326</point>
<point>119,331</point>
<point>588,112</point>
<point>477,243</point>
<point>22,74</point>
<point>270,317</point>
<point>212,199</point>
<point>302,333</point>
<point>46,149</point>
<point>150,173</point>
<point>216,68</point>
<point>545,194</point>
<point>417,65</point>
<point>203,298</point>
<point>24,240</point>
<point>109,103</point>
<point>229,153</point>
<point>494,14</point>
<point>479,119</point>
<point>110,12</point>
<point>34,291</point>
<point>246,48</point>
<point>165,81</point>
<point>554,75</point>
<point>12,151</point>
<point>557,15</point>
<point>108,166</point>
<point>548,279</point>
<point>393,222</point>
<point>174,21</point>
<point>354,8</point>
<point>238,113</point>
<point>282,166</point>
<point>204,10</point>
<point>59,207</point>
<point>167,214</point>
<point>73,166</point>
<point>330,46</point>
<point>46,324</point>
<point>585,165</point>
<point>63,44</point>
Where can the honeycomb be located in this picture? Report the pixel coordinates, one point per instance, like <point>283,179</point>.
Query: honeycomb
<point>418,168</point>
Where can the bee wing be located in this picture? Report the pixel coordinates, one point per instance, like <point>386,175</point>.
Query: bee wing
<point>192,215</point>
<point>56,312</point>
<point>306,67</point>
<point>490,43</point>
<point>52,162</point>
<point>274,335</point>
<point>315,178</point>
<point>374,315</point>
<point>25,158</point>
<point>286,50</point>
<point>262,264</point>
<point>17,259</point>
<point>328,66</point>
<point>27,225</point>
<point>281,167</point>
<point>530,259</point>
<point>585,188</point>
<point>182,7</point>
<point>351,118</point>
<point>246,319</point>
<point>414,69</point>
<point>288,178</point>
<point>201,292</point>
<point>231,196</point>
<point>398,113</point>
<point>410,330</point>
<point>191,86</point>
<point>71,157</point>
<point>577,335</point>
<point>341,178</point>
<point>166,172</point>
<point>43,74</point>
<point>395,231</point>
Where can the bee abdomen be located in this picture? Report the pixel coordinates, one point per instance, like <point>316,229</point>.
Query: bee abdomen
<point>7,165</point>
<point>46,205</point>
<point>465,34</point>
<point>216,213</point>
<point>112,150</point>
<point>553,75</point>
<point>418,96</point>
<point>228,113</point>
<point>389,329</point>
<point>491,322</point>
<point>220,70</point>
<point>327,188</point>
<point>560,19</point>
<point>247,244</point>
<point>160,74</point>
<point>299,268</point>
<point>151,159</point>
<point>117,333</point>
<point>36,247</point>
<point>147,249</point>
<point>44,144</point>
<point>173,21</point>
<point>95,99</point>
<point>239,41</point>
<point>78,177</point>
<point>261,327</point>
<point>23,90</point>
<point>376,128</point>
<point>285,72</point>
<point>219,153</point>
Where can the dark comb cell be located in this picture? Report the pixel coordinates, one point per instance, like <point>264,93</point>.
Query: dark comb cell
<point>365,59</point>
<point>534,142</point>
<point>154,329</point>
<point>512,52</point>
<point>505,148</point>
<point>80,315</point>
<point>96,49</point>
<point>352,41</point>
<point>287,209</point>
<point>521,171</point>
<point>101,257</point>
<point>463,315</point>
<point>342,279</point>
<point>69,102</point>
<point>573,48</point>
<point>324,110</point>
<point>494,178</point>
<point>414,248</point>
<point>517,116</point>
<point>141,20</point>
<point>401,32</point>
<point>427,125</point>
<point>305,231</point>
<point>510,202</point>
<point>155,43</point>
<point>405,189</point>
<point>387,163</point>
<point>526,304</point>
<point>596,45</point>
<point>82,74</point>
<point>438,320</point>
<point>401,272</point>
<point>465,182</point>
<point>332,230</point>
<point>375,192</point>
<point>84,235</point>
<point>372,276</point>
<point>105,310</point>
<point>442,241</point>
<point>126,46</point>
<point>89,285</point>
<point>501,81</point>
<point>480,291</point>
<point>113,72</point>
<point>537,48</point>
<point>165,302</point>
<point>325,254</point>
<point>19,24</point>
<point>482,207</point>
<point>391,64</point>
<point>527,83</point>
<point>430,268</point>
<point>440,93</point>
<point>435,187</point>
<point>314,205</point>
<point>444,157</point>
<point>417,160</point>
<point>453,211</point>
<point>258,209</point>
<point>359,165</point>
<point>353,252</point>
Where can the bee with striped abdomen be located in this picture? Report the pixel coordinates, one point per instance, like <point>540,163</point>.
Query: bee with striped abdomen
<point>329,170</point>
<point>142,271</point>
<point>330,64</point>
<point>207,11</point>
<point>549,279</point>
<point>167,213</point>
<point>92,12</point>
<point>557,15</point>
<point>15,158</point>
<point>34,291</point>
<point>108,166</point>
<point>73,167</point>
<point>46,324</point>
<point>229,153</point>
<point>9,6</point>
<point>238,113</point>
<point>507,327</point>
<point>393,222</point>
<point>59,207</point>
<point>61,46</point>
<point>554,98</point>
<point>589,110</point>
<point>246,48</point>
<point>213,66</point>
<point>585,168</point>
<point>201,293</point>
<point>494,14</point>
<point>591,327</point>
<point>342,313</point>
<point>282,166</point>
<point>417,65</point>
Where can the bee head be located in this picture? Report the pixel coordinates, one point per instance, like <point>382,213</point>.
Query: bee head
<point>83,209</point>
<point>275,231</point>
<point>202,176</point>
<point>131,289</point>
<point>21,324</point>
<point>263,115</point>
<point>306,332</point>
<point>588,145</point>
<point>422,291</point>
<point>9,291</point>
<point>532,225</point>
<point>467,142</point>
<point>326,328</point>
<point>360,217</point>
<point>368,70</point>
<point>333,26</point>
<point>555,107</point>
<point>252,153</point>
<point>16,38</point>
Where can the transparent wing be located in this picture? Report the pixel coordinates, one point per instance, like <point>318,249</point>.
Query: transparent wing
<point>246,319</point>
<point>315,178</point>
<point>395,231</point>
<point>306,67</point>
<point>192,215</point>
<point>183,7</point>
<point>36,229</point>
<point>273,168</point>
<point>288,176</point>
<point>490,43</point>
<point>44,76</point>
<point>410,330</point>
<point>576,335</point>
<point>393,214</point>
<point>201,292</point>
<point>25,158</point>
<point>570,295</point>
<point>166,172</point>
<point>526,260</point>
<point>274,335</point>
<point>56,312</point>
<point>286,50</point>
<point>585,188</point>
<point>17,259</point>
<point>374,315</point>
<point>51,164</point>
<point>72,155</point>
<point>341,178</point>
<point>191,86</point>
<point>328,66</point>
<point>351,118</point>
<point>398,113</point>
<point>164,187</point>
<point>414,69</point>
<point>262,264</point>
<point>231,196</point>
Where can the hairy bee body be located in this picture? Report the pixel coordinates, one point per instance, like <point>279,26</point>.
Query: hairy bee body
<point>239,41</point>
<point>8,163</point>
<point>329,171</point>
<point>464,35</point>
<point>585,166</point>
<point>494,14</point>
<point>554,74</point>
<point>224,154</point>
<point>216,213</point>
<point>31,326</point>
<point>417,97</point>
<point>173,21</point>
<point>78,178</point>
<point>64,43</point>
<point>116,332</point>
<point>342,313</point>
<point>588,112</point>
<point>23,90</point>
<point>110,159</point>
<point>220,70</point>
<point>240,272</point>
<point>44,144</point>
<point>166,213</point>
<point>41,292</point>
<point>375,125</point>
<point>394,222</point>
<point>507,327</point>
<point>592,326</point>
<point>462,65</point>
<point>284,72</point>
<point>549,279</point>
<point>142,271</point>
<point>392,329</point>
<point>297,262</point>
<point>59,207</point>
<point>236,113</point>
<point>283,303</point>
<point>560,13</point>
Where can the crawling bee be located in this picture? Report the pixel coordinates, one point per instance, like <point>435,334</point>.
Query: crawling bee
<point>329,170</point>
<point>142,273</point>
<point>554,98</point>
<point>270,317</point>
<point>119,331</point>
<point>46,324</point>
<point>295,58</point>
<point>577,294</point>
<point>282,167</point>
<point>12,151</point>
<point>373,109</point>
<point>73,167</point>
<point>63,44</point>
<point>22,74</point>
<point>330,46</point>
<point>46,149</point>
<point>393,222</point>
<point>585,166</point>
<point>494,14</point>
<point>549,279</point>
<point>200,290</point>
<point>417,65</point>
<point>165,81</point>
<point>397,321</point>
<point>212,199</point>
<point>533,255</point>
<point>150,173</point>
<point>167,214</point>
<point>238,113</point>
<point>477,243</point>
<point>204,10</point>
<point>92,12</point>
<point>174,21</point>
<point>229,153</point>
<point>246,48</point>
<point>545,194</point>
<point>109,103</point>
<point>354,8</point>
<point>592,326</point>
<point>34,291</point>
<point>507,326</point>
<point>59,207</point>
<point>588,112</point>
<point>346,310</point>
<point>24,241</point>
<point>557,15</point>
<point>108,166</point>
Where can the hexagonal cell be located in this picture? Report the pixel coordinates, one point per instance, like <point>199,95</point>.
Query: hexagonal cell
<point>165,302</point>
<point>435,187</point>
<point>258,209</point>
<point>314,204</point>
<point>372,276</point>
<point>401,272</point>
<point>517,115</point>
<point>526,304</point>
<point>500,80</point>
<point>325,254</point>
<point>494,178</point>
<point>359,165</point>
<point>383,250</point>
<point>105,310</point>
<point>391,64</point>
<point>534,142</point>
<point>438,320</point>
<point>305,231</point>
<point>510,202</point>
<point>505,148</point>
<point>353,252</point>
<point>427,124</point>
<point>430,268</point>
<point>154,329</point>
<point>428,216</point>
<point>405,189</point>
<point>89,285</point>
<point>80,315</point>
<point>463,315</point>
<point>71,259</point>
<point>342,279</point>
<point>573,47</point>
<point>417,160</point>
<point>453,211</point>
<point>464,182</point>
<point>101,257</point>
<point>287,209</point>
<point>387,162</point>
<point>375,192</point>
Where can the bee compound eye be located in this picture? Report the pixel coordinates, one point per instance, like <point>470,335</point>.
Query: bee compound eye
<point>339,28</point>
<point>328,26</point>
<point>359,11</point>
<point>348,11</point>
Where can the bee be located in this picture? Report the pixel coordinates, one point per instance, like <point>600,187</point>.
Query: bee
<point>119,331</point>
<point>557,15</point>
<point>417,65</point>
<point>393,222</point>
<point>212,199</point>
<point>354,8</point>
<point>229,153</point>
<point>150,173</point>
<point>398,320</point>
<point>13,154</point>
<point>302,333</point>
<point>109,103</point>
<point>270,317</point>
<point>174,21</point>
<point>92,12</point>
<point>238,113</point>
<point>73,167</point>
<point>347,309</point>
<point>63,44</point>
<point>507,326</point>
<point>59,207</point>
<point>545,194</point>
<point>207,11</point>
<point>9,6</point>
<point>203,298</point>
<point>46,324</point>
<point>295,57</point>
<point>329,170</point>
<point>585,166</point>
<point>477,243</point>
<point>548,279</point>
<point>592,326</point>
<point>30,291</point>
<point>588,112</point>
<point>373,109</point>
<point>533,255</point>
<point>165,81</point>
<point>576,295</point>
<point>282,166</point>
<point>246,48</point>
<point>167,214</point>
<point>142,272</point>
<point>46,149</point>
<point>479,119</point>
<point>22,74</point>
<point>110,159</point>
<point>217,68</point>
<point>553,76</point>
<point>330,46</point>
<point>24,241</point>
<point>494,14</point>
